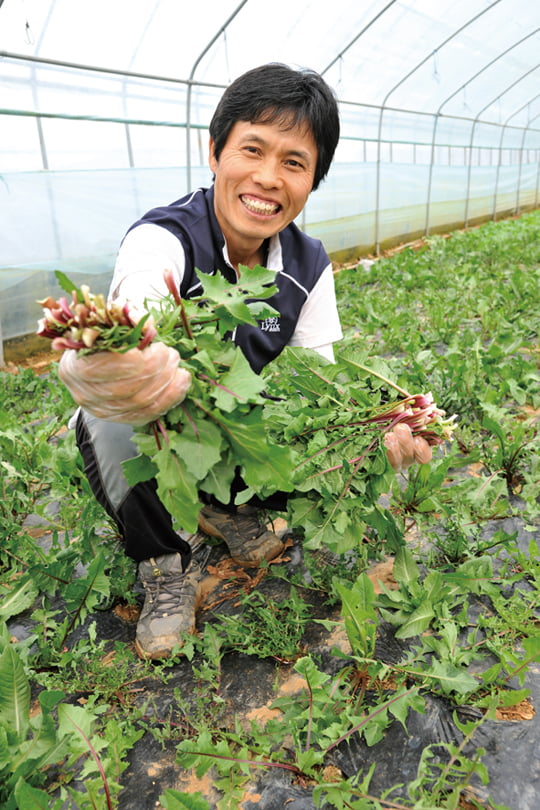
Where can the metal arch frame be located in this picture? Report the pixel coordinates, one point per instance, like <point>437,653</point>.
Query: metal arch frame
<point>391,91</point>
<point>97,69</point>
<point>191,81</point>
<point>443,104</point>
<point>503,131</point>
<point>39,123</point>
<point>127,130</point>
<point>94,69</point>
<point>383,109</point>
<point>357,36</point>
<point>473,128</point>
<point>524,135</point>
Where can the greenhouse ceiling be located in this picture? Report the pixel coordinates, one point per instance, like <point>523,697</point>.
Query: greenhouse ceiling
<point>471,58</point>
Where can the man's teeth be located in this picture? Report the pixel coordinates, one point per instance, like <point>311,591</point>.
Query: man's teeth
<point>260,207</point>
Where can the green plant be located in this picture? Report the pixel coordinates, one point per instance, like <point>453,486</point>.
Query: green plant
<point>473,344</point>
<point>310,727</point>
<point>96,671</point>
<point>266,628</point>
<point>445,771</point>
<point>33,742</point>
<point>512,451</point>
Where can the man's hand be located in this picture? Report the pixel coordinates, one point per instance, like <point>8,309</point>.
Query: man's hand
<point>404,449</point>
<point>134,387</point>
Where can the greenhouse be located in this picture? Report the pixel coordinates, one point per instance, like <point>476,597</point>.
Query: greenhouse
<point>105,113</point>
<point>385,653</point>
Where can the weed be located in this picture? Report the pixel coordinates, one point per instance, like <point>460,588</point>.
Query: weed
<point>265,628</point>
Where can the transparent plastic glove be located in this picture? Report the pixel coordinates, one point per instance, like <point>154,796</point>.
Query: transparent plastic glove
<point>404,449</point>
<point>133,388</point>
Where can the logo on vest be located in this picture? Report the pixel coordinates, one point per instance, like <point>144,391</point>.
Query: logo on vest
<point>270,324</point>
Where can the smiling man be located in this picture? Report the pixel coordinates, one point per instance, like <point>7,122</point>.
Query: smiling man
<point>272,139</point>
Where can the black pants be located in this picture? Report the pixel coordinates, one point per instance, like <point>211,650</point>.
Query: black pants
<point>142,520</point>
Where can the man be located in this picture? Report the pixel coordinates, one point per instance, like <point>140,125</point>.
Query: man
<point>272,139</point>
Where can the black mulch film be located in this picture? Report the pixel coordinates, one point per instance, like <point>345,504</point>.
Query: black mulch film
<point>250,684</point>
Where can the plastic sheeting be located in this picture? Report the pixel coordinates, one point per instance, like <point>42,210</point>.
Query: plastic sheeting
<point>248,685</point>
<point>105,107</point>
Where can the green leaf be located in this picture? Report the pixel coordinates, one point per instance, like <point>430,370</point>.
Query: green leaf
<point>48,700</point>
<point>400,708</point>
<point>76,723</point>
<point>67,285</point>
<point>451,678</point>
<point>263,464</point>
<point>177,489</point>
<point>177,800</point>
<point>14,693</point>
<point>219,480</point>
<point>138,469</point>
<point>315,677</point>
<point>89,590</point>
<point>405,568</point>
<point>531,646</point>
<point>359,613</point>
<point>200,449</point>
<point>228,300</point>
<point>6,750</point>
<point>19,599</point>
<point>417,622</point>
<point>239,383</point>
<point>45,748</point>
<point>32,798</point>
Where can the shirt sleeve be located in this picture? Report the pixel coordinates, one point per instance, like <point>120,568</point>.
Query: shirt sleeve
<point>146,251</point>
<point>318,326</point>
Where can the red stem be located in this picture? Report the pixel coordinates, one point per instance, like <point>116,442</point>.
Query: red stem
<point>98,763</point>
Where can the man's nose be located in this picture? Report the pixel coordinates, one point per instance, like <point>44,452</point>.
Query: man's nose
<point>268,173</point>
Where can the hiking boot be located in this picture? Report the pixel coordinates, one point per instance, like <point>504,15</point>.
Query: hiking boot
<point>248,540</point>
<point>172,597</point>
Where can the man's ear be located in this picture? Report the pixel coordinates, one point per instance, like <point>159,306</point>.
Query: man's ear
<point>212,162</point>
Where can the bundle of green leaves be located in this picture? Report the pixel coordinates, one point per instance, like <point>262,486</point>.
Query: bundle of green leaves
<point>303,426</point>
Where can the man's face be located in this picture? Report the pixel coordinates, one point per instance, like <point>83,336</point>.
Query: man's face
<point>262,180</point>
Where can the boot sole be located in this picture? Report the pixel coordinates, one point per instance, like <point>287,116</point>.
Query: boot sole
<point>256,563</point>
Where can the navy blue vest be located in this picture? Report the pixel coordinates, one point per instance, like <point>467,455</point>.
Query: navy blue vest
<point>192,220</point>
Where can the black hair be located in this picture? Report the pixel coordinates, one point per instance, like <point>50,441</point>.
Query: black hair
<point>276,93</point>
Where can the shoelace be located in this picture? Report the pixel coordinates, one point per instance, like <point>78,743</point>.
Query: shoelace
<point>165,596</point>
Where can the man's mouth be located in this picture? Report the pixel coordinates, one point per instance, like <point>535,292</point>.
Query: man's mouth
<point>260,206</point>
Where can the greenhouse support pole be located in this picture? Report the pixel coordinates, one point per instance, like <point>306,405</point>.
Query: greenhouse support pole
<point>129,146</point>
<point>516,112</point>
<point>42,146</point>
<point>476,119</point>
<point>191,82</point>
<point>523,137</point>
<point>384,104</point>
<point>498,172</point>
<point>430,173</point>
<point>537,186</point>
<point>449,98</point>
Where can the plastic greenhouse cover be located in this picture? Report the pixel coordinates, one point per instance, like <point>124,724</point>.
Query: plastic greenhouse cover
<point>439,102</point>
<point>458,55</point>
